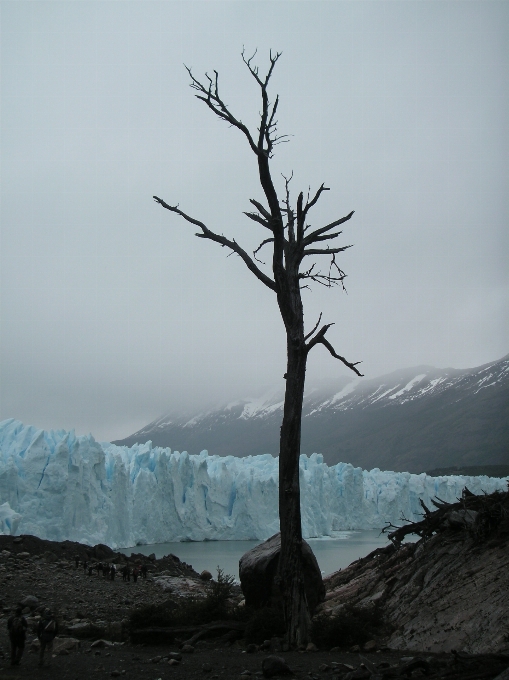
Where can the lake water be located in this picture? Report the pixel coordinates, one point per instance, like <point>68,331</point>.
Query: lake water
<point>332,553</point>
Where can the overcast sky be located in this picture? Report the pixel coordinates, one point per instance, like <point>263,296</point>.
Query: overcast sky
<point>113,312</point>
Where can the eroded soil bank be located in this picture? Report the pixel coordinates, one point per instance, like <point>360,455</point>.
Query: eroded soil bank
<point>449,591</point>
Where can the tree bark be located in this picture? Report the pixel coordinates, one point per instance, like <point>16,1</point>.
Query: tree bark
<point>290,570</point>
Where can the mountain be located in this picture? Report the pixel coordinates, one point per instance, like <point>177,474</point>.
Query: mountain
<point>410,420</point>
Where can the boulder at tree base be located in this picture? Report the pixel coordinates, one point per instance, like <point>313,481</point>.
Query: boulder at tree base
<point>258,568</point>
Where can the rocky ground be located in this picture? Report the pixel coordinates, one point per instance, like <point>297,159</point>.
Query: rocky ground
<point>423,589</point>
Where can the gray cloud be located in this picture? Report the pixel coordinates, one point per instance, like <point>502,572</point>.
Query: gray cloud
<point>112,312</point>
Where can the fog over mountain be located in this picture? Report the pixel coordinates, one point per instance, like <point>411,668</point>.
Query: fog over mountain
<point>113,312</point>
<point>413,420</point>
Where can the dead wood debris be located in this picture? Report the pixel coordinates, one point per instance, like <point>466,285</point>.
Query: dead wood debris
<point>191,634</point>
<point>480,516</point>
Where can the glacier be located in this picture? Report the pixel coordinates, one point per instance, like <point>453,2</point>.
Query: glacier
<point>58,486</point>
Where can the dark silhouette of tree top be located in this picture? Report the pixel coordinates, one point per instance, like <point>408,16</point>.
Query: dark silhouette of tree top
<point>292,239</point>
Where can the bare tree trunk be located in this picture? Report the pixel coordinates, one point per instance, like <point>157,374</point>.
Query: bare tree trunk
<point>292,240</point>
<point>291,574</point>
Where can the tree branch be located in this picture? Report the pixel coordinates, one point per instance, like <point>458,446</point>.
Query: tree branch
<point>300,218</point>
<point>268,125</point>
<point>328,237</point>
<point>349,365</point>
<point>210,95</point>
<point>310,238</point>
<point>320,339</point>
<point>261,209</point>
<point>324,251</point>
<point>310,204</point>
<point>314,329</point>
<point>288,210</point>
<point>222,240</point>
<point>259,219</point>
<point>263,243</point>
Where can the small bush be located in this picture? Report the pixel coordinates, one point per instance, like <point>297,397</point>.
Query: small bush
<point>154,615</point>
<point>351,626</point>
<point>217,605</point>
<point>263,624</point>
<point>189,611</point>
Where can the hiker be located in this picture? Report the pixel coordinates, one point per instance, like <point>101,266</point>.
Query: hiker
<point>144,570</point>
<point>135,574</point>
<point>85,566</point>
<point>46,632</point>
<point>124,573</point>
<point>90,569</point>
<point>77,560</point>
<point>100,568</point>
<point>17,626</point>
<point>113,569</point>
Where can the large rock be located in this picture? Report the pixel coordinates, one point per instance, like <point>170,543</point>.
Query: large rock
<point>102,552</point>
<point>86,630</point>
<point>258,567</point>
<point>275,665</point>
<point>29,601</point>
<point>65,645</point>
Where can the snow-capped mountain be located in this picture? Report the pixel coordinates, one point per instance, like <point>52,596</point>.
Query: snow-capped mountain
<point>410,420</point>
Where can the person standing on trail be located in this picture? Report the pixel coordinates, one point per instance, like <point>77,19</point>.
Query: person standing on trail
<point>46,632</point>
<point>135,573</point>
<point>113,569</point>
<point>17,626</point>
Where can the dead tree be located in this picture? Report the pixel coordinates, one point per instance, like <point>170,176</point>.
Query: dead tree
<point>294,243</point>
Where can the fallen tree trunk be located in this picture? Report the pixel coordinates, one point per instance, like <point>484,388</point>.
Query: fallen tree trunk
<point>162,634</point>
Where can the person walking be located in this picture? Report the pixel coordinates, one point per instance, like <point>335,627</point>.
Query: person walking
<point>46,632</point>
<point>17,626</point>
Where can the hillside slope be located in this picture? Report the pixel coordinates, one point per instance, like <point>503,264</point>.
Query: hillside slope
<point>449,591</point>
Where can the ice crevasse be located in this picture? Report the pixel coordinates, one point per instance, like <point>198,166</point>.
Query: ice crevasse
<point>58,486</point>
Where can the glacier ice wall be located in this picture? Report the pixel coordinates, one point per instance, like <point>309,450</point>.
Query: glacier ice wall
<point>58,486</point>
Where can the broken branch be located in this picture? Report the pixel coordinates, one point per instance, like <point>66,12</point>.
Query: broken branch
<point>222,240</point>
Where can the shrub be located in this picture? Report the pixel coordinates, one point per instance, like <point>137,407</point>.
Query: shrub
<point>217,605</point>
<point>351,626</point>
<point>154,615</point>
<point>189,611</point>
